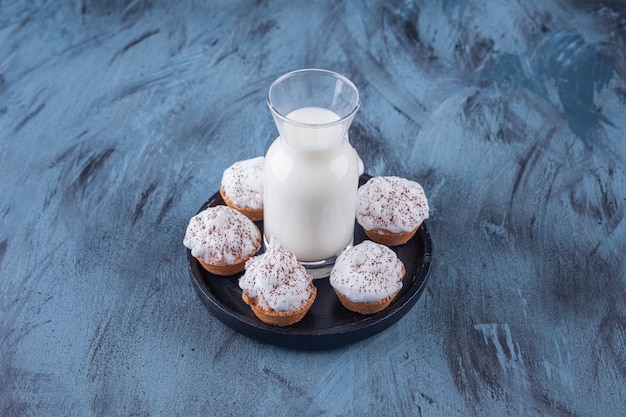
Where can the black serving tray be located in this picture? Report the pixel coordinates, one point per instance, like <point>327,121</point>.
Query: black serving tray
<point>328,324</point>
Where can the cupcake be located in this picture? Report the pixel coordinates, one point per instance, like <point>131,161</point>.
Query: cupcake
<point>242,187</point>
<point>391,209</point>
<point>222,240</point>
<point>277,287</point>
<point>367,277</point>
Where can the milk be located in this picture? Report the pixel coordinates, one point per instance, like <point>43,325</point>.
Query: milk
<point>310,185</point>
<point>307,134</point>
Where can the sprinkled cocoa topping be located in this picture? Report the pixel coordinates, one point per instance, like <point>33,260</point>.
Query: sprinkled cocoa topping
<point>367,272</point>
<point>221,235</point>
<point>243,183</point>
<point>394,204</point>
<point>276,279</point>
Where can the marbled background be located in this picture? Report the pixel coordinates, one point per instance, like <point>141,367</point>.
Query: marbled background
<point>118,117</point>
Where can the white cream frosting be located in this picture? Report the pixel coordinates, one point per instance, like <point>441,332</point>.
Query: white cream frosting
<point>367,272</point>
<point>243,183</point>
<point>276,279</point>
<point>221,235</point>
<point>394,204</point>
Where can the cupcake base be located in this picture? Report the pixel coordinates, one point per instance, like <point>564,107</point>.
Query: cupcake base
<point>387,238</point>
<point>224,270</point>
<point>279,318</point>
<point>366,307</point>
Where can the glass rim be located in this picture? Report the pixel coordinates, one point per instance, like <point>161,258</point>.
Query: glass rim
<point>333,74</point>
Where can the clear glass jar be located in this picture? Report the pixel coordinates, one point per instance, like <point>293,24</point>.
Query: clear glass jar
<point>311,171</point>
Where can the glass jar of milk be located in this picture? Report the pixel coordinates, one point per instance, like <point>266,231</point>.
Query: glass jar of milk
<point>311,171</point>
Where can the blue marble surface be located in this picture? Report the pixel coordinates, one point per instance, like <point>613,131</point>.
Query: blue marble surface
<point>117,118</point>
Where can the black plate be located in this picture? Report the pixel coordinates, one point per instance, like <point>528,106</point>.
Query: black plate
<point>328,324</point>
